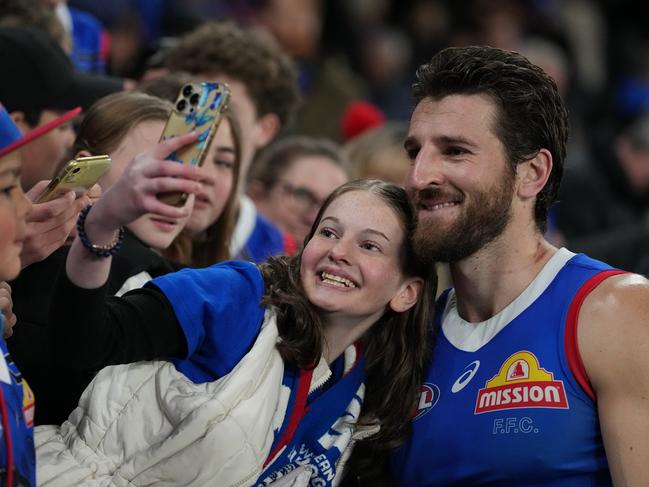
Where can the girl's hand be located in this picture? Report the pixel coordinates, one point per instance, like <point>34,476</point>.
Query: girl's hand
<point>135,192</point>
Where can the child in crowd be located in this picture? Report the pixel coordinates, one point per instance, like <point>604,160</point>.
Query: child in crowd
<point>253,348</point>
<point>16,398</point>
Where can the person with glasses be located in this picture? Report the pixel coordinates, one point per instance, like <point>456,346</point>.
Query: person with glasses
<point>291,178</point>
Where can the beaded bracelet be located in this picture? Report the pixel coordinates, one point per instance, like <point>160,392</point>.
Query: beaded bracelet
<point>107,250</point>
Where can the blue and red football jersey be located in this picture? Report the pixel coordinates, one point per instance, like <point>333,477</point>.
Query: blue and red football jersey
<point>506,401</point>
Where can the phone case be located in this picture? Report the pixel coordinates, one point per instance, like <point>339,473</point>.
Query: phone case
<point>78,175</point>
<point>200,107</point>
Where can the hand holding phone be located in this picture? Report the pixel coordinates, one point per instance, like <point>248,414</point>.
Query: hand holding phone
<point>49,224</point>
<point>198,107</point>
<point>78,175</point>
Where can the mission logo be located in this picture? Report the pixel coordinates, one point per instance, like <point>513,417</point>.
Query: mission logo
<point>521,383</point>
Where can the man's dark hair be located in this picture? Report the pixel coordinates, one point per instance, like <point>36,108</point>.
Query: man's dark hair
<point>531,113</point>
<point>250,56</point>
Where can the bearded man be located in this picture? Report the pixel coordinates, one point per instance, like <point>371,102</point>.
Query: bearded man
<point>540,374</point>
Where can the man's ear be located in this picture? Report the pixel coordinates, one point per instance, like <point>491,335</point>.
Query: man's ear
<point>268,126</point>
<point>407,294</point>
<point>533,174</point>
<point>82,153</point>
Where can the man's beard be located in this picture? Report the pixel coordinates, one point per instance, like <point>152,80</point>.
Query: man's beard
<point>484,218</point>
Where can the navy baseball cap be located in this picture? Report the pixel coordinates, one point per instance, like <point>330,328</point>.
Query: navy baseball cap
<point>11,138</point>
<point>37,74</point>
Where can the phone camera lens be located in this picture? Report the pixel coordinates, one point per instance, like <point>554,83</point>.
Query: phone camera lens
<point>181,105</point>
<point>76,170</point>
<point>187,90</point>
<point>194,99</point>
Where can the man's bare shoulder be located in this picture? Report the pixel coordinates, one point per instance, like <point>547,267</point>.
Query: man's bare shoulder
<point>613,326</point>
<point>618,296</point>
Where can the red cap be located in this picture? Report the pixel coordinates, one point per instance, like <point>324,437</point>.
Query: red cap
<point>360,116</point>
<point>13,143</point>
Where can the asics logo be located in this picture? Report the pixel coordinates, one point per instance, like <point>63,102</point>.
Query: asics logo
<point>466,377</point>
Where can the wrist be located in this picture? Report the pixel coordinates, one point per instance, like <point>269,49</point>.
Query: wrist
<point>97,238</point>
<point>102,219</point>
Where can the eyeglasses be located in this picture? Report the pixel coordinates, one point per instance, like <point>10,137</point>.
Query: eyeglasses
<point>304,197</point>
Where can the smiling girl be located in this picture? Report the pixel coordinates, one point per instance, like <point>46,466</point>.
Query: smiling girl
<point>277,369</point>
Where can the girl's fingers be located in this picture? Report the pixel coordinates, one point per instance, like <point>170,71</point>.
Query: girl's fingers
<point>169,185</point>
<point>172,169</point>
<point>166,147</point>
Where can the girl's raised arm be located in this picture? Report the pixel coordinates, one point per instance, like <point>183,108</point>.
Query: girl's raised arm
<point>132,195</point>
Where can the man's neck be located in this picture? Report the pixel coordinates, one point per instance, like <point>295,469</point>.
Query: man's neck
<point>486,282</point>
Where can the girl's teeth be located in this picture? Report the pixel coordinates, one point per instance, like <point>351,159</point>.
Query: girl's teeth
<point>337,280</point>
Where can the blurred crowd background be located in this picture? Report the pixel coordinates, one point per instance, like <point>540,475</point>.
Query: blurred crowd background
<point>357,59</point>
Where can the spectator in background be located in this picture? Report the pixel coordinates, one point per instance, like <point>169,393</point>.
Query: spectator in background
<point>378,153</point>
<point>385,64</point>
<point>137,28</point>
<point>291,178</point>
<point>263,81</point>
<point>326,81</point>
<point>89,39</point>
<point>632,149</point>
<point>429,24</point>
<point>38,84</point>
<point>622,217</point>
<point>599,197</point>
<point>206,237</point>
<point>34,13</point>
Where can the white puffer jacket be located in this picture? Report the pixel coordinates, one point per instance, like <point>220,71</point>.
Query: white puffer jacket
<point>145,423</point>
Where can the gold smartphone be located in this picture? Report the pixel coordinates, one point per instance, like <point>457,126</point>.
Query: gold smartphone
<point>78,175</point>
<point>200,107</point>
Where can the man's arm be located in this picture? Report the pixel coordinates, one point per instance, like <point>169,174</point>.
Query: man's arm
<point>613,338</point>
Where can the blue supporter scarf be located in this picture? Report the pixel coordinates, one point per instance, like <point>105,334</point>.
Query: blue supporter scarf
<point>17,414</point>
<point>323,431</point>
